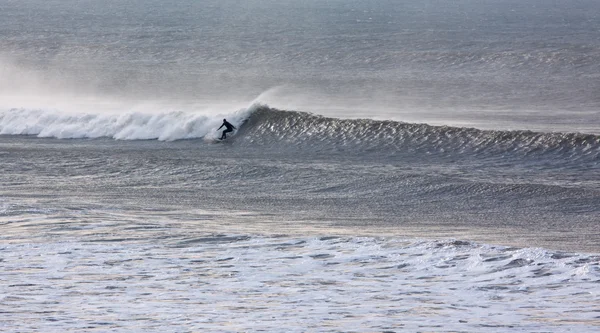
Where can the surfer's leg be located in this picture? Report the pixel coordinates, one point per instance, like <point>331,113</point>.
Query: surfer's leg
<point>225,135</point>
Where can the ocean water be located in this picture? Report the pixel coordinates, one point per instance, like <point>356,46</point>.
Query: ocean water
<point>399,166</point>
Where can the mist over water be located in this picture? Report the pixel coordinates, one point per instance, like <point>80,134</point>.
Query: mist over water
<point>492,64</point>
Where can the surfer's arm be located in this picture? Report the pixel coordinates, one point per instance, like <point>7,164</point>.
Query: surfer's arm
<point>220,127</point>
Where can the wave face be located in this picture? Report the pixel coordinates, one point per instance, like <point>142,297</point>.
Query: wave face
<point>268,126</point>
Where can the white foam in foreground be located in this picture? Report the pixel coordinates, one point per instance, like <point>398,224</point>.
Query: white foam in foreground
<point>229,283</point>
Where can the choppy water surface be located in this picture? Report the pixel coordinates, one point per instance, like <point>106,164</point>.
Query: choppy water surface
<point>523,188</point>
<point>251,234</point>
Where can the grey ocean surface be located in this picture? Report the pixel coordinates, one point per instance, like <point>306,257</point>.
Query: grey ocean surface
<point>398,166</point>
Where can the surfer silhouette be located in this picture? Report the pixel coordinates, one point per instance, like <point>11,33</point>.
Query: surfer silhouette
<point>228,128</point>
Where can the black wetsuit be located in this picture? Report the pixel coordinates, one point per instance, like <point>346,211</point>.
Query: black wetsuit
<point>229,128</point>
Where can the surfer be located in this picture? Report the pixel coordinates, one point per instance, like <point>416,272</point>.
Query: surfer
<point>228,128</point>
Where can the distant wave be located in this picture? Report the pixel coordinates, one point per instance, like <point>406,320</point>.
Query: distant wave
<point>522,56</point>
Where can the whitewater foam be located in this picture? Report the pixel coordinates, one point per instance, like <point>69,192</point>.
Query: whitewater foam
<point>167,126</point>
<point>237,282</point>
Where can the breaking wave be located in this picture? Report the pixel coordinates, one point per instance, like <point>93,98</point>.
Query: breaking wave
<point>262,125</point>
